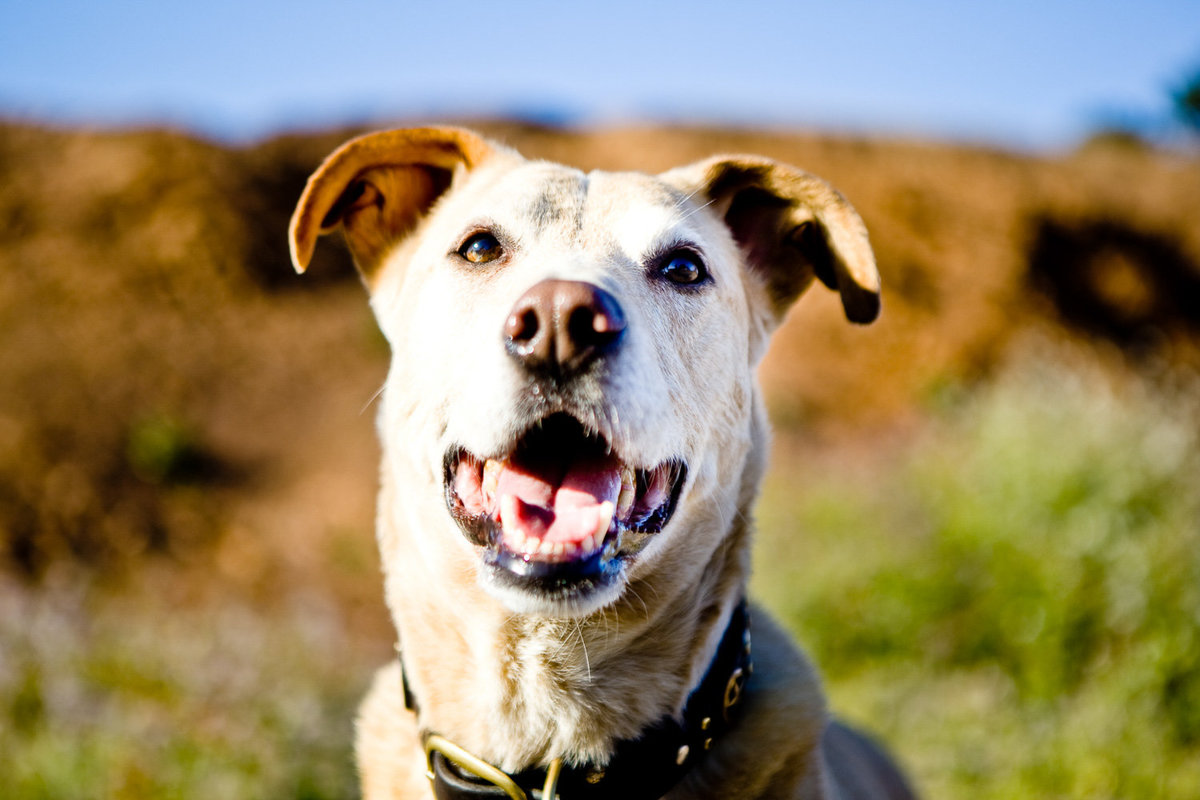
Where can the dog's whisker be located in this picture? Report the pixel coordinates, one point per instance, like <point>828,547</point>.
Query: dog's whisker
<point>604,616</point>
<point>638,597</point>
<point>371,401</point>
<point>652,590</point>
<point>583,644</point>
<point>680,202</point>
<point>695,210</point>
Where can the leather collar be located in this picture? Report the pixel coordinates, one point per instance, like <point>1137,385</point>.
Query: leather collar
<point>640,769</point>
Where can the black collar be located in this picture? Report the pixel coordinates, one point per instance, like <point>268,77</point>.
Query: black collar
<point>640,769</point>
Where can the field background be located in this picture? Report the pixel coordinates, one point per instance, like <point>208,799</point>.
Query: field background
<point>982,518</point>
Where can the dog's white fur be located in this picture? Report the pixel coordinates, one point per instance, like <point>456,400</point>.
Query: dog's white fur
<point>514,675</point>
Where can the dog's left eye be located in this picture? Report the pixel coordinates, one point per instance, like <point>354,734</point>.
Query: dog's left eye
<point>481,248</point>
<point>684,268</point>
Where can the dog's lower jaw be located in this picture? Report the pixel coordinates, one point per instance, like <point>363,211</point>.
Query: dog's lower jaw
<point>576,600</point>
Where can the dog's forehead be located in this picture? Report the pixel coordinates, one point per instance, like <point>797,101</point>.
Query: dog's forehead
<point>538,194</point>
<point>549,198</point>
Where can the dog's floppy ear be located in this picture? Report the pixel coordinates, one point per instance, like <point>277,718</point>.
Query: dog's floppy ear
<point>377,187</point>
<point>791,227</point>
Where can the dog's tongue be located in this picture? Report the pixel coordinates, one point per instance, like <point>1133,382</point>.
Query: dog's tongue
<point>548,500</point>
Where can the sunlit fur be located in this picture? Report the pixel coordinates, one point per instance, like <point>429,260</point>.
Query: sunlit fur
<point>511,675</point>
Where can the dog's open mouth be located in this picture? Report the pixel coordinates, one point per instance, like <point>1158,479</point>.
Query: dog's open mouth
<point>562,506</point>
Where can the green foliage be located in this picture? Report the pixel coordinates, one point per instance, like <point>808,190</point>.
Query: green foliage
<point>160,449</point>
<point>1016,607</point>
<point>1012,603</point>
<point>1186,98</point>
<point>107,698</point>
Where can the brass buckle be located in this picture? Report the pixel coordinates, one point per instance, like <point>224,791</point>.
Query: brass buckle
<point>472,764</point>
<point>482,769</point>
<point>733,692</point>
<point>550,788</point>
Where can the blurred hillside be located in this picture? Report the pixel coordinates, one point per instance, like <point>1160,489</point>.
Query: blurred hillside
<point>186,423</point>
<point>171,385</point>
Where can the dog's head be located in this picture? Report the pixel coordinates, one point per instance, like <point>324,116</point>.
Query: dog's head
<point>571,400</point>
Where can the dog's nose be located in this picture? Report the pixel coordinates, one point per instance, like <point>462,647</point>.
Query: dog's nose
<point>559,327</point>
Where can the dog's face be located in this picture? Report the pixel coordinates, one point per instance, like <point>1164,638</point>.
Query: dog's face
<point>571,400</point>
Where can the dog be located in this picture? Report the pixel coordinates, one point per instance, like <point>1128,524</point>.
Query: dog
<point>572,443</point>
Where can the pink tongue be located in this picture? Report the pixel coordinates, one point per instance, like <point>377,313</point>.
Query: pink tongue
<point>558,502</point>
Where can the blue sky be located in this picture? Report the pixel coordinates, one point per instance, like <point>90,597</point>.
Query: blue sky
<point>1021,73</point>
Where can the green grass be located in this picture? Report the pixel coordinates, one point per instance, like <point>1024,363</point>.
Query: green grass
<point>1012,603</point>
<point>1015,606</point>
<point>112,697</point>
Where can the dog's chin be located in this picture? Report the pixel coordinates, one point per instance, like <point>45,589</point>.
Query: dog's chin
<point>524,589</point>
<point>559,518</point>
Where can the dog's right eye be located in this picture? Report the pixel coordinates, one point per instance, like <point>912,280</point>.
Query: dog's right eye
<point>481,248</point>
<point>683,267</point>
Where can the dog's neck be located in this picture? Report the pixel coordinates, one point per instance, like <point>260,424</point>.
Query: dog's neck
<point>520,690</point>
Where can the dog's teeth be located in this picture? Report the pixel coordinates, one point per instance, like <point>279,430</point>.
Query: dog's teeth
<point>628,492</point>
<point>604,520</point>
<point>607,509</point>
<point>514,537</point>
<point>509,509</point>
<point>491,479</point>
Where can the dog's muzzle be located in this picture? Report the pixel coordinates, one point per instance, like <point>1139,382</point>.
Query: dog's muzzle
<point>562,511</point>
